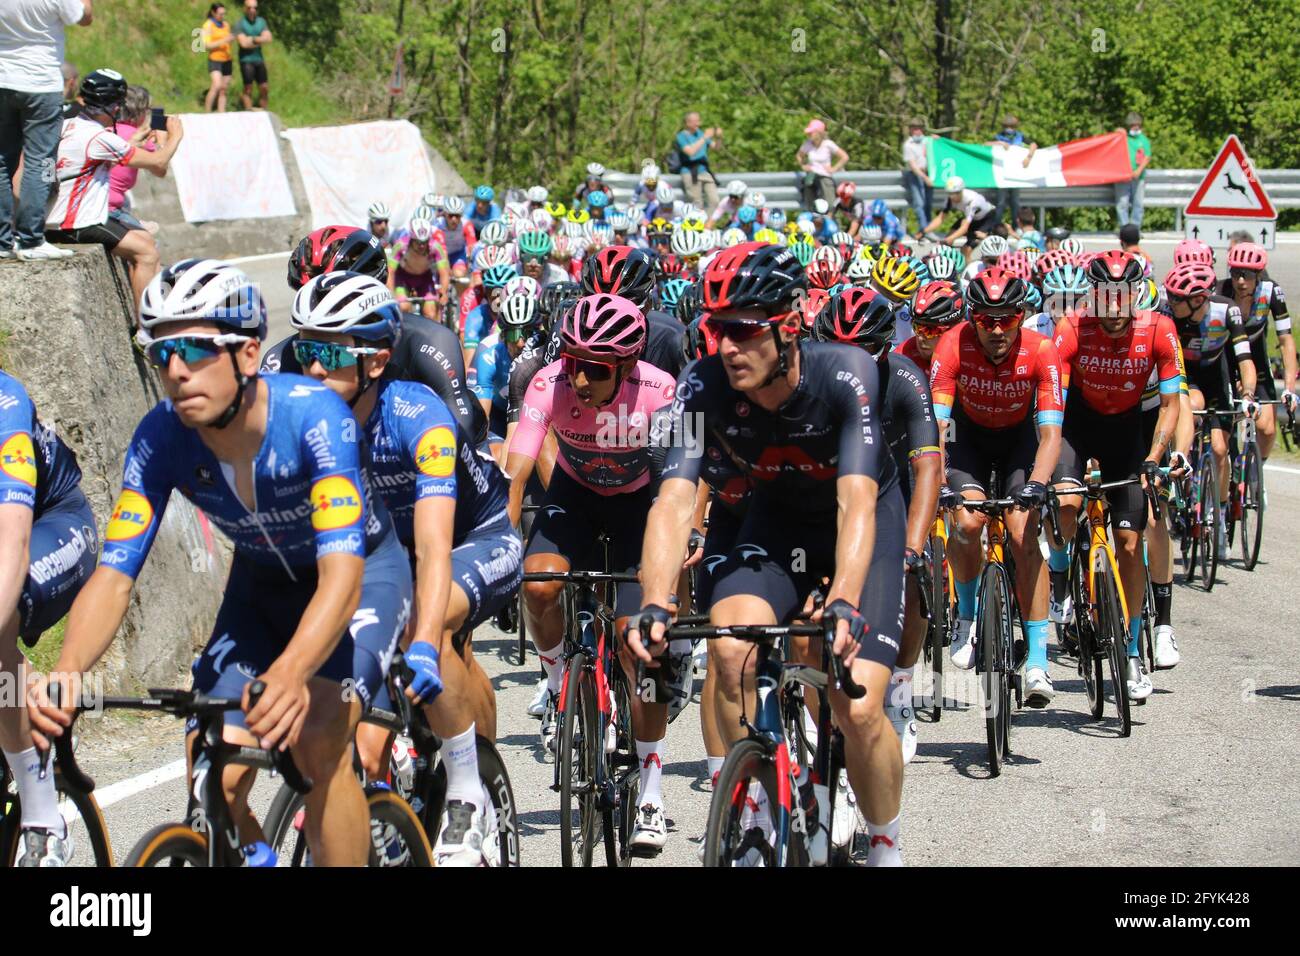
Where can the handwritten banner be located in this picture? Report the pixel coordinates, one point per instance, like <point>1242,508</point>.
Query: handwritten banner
<point>228,166</point>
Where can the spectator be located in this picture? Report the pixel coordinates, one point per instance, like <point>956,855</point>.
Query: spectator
<point>252,34</point>
<point>692,144</point>
<point>121,179</point>
<point>1027,232</point>
<point>71,79</point>
<point>815,159</point>
<point>31,81</point>
<point>916,174</point>
<point>217,38</point>
<point>1128,195</point>
<point>1011,136</point>
<point>87,153</point>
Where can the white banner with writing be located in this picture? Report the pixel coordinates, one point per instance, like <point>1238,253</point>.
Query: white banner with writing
<point>228,166</point>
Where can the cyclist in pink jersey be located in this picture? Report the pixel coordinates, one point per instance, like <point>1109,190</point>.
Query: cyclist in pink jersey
<point>599,399</point>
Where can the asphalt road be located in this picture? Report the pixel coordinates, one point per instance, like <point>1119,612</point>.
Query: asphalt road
<point>1208,777</point>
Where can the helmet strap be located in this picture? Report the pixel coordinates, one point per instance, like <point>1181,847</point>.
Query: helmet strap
<point>241,385</point>
<point>363,381</point>
<point>783,350</point>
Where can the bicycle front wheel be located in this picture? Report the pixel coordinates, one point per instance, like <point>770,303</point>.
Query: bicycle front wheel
<point>744,828</point>
<point>75,806</point>
<point>993,645</point>
<point>578,741</point>
<point>1208,564</point>
<point>283,827</point>
<point>1252,507</point>
<point>1114,631</point>
<point>396,837</point>
<point>170,844</point>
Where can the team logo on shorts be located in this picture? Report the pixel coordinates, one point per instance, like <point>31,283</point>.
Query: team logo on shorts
<point>131,517</point>
<point>335,502</point>
<point>435,454</point>
<point>18,458</point>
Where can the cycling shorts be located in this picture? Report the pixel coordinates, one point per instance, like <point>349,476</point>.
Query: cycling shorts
<point>780,557</point>
<point>62,555</point>
<point>416,284</point>
<point>719,539</point>
<point>259,614</point>
<point>975,452</point>
<point>497,425</point>
<point>458,258</point>
<point>1265,387</point>
<point>571,518</point>
<point>1117,442</point>
<point>1215,384</point>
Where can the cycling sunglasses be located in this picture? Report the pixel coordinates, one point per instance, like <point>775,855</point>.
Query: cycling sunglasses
<point>926,331</point>
<point>1243,274</point>
<point>331,355</point>
<point>192,349</point>
<point>738,331</point>
<point>993,321</point>
<point>594,371</point>
<point>420,244</point>
<point>1184,298</point>
<point>518,333</point>
<point>532,258</point>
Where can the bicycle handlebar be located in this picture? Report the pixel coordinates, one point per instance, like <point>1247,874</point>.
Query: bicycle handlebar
<point>582,577</point>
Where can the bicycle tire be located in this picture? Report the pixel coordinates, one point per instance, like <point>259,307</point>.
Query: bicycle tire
<point>579,719</point>
<point>523,630</point>
<point>992,643</point>
<point>1209,551</point>
<point>496,780</point>
<point>1252,503</point>
<point>282,828</point>
<point>625,769</point>
<point>1114,632</point>
<point>91,817</point>
<point>724,845</point>
<point>169,844</point>
<point>1148,625</point>
<point>940,622</point>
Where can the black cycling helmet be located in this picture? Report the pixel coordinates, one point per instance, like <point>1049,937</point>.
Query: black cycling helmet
<point>1057,233</point>
<point>622,271</point>
<point>996,288</point>
<point>688,305</point>
<point>554,294</point>
<point>856,316</point>
<point>337,249</point>
<point>753,275</point>
<point>1115,266</point>
<point>103,91</point>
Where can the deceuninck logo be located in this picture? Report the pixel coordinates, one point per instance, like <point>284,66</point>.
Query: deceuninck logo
<point>101,910</point>
<point>130,518</point>
<point>18,458</point>
<point>336,503</point>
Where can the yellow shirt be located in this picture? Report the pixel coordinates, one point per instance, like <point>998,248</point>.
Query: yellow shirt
<point>217,34</point>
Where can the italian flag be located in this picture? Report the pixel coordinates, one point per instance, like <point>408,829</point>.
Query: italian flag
<point>1080,162</point>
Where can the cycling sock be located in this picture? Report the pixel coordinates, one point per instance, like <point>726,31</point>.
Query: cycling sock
<point>900,688</point>
<point>1134,632</point>
<point>650,753</point>
<point>460,757</point>
<point>1037,631</point>
<point>882,838</point>
<point>1058,560</point>
<point>551,661</point>
<point>39,799</point>
<point>1164,594</point>
<point>966,591</point>
<point>715,766</point>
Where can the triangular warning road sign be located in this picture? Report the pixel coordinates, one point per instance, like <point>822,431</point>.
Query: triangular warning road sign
<point>1230,188</point>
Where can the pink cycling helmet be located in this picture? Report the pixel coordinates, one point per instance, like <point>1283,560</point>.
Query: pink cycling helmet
<point>1247,255</point>
<point>1193,250</point>
<point>604,326</point>
<point>1190,278</point>
<point>1017,263</point>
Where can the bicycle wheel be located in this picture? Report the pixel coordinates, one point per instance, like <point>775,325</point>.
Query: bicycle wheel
<point>579,743</point>
<point>283,826</point>
<point>1114,634</point>
<point>1208,563</point>
<point>993,647</point>
<point>396,837</point>
<point>1149,625</point>
<point>170,844</point>
<point>492,773</point>
<point>523,629</point>
<point>1252,507</point>
<point>625,768</point>
<point>743,827</point>
<point>76,807</point>
<point>940,612</point>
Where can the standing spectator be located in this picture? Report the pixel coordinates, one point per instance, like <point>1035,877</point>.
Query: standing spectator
<point>1011,136</point>
<point>31,84</point>
<point>87,154</point>
<point>1128,195</point>
<point>121,179</point>
<point>815,159</point>
<point>71,80</point>
<point>217,38</point>
<point>252,35</point>
<point>692,144</point>
<point>916,174</point>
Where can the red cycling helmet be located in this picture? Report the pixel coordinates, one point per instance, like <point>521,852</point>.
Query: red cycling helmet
<point>1115,266</point>
<point>1190,278</point>
<point>813,306</point>
<point>822,273</point>
<point>1247,255</point>
<point>669,265</point>
<point>620,270</point>
<point>337,249</point>
<point>937,303</point>
<point>845,192</point>
<point>752,275</point>
<point>996,288</point>
<point>1193,250</point>
<point>1017,263</point>
<point>857,316</point>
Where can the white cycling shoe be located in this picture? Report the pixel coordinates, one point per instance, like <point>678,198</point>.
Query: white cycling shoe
<point>1038,688</point>
<point>651,830</point>
<point>904,720</point>
<point>963,644</point>
<point>1139,684</point>
<point>1167,655</point>
<point>42,847</point>
<point>463,839</point>
<point>537,706</point>
<point>845,823</point>
<point>1061,612</point>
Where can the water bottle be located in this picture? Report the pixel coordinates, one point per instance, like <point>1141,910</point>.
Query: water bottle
<point>403,764</point>
<point>259,854</point>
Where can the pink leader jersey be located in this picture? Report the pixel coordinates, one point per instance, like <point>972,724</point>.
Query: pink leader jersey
<point>604,449</point>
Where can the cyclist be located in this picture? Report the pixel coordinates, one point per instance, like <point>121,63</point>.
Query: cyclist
<point>1213,334</point>
<point>936,310</point>
<point>995,381</point>
<point>891,229</point>
<point>1054,236</point>
<point>598,399</point>
<point>896,279</point>
<point>48,548</point>
<point>485,210</point>
<point>421,275</point>
<point>535,248</point>
<point>457,237</point>
<point>336,248</point>
<point>802,421</point>
<point>1260,299</point>
<point>987,254</point>
<point>725,213</point>
<point>978,216</point>
<point>863,318</point>
<point>482,318</point>
<point>1065,288</point>
<point>449,510</point>
<point>377,217</point>
<point>847,213</point>
<point>495,354</point>
<point>319,589</point>
<point>595,182</point>
<point>630,273</point>
<point>1107,351</point>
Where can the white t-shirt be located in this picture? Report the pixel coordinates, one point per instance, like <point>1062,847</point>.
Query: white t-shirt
<point>820,157</point>
<point>973,206</point>
<point>31,43</point>
<point>914,152</point>
<point>87,154</point>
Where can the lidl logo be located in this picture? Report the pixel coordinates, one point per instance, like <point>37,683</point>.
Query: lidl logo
<point>131,517</point>
<point>435,454</point>
<point>336,503</point>
<point>18,459</point>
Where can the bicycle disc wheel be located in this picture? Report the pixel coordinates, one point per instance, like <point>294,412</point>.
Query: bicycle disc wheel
<point>1208,563</point>
<point>1114,632</point>
<point>1252,508</point>
<point>170,844</point>
<point>939,623</point>
<point>283,827</point>
<point>578,742</point>
<point>492,774</point>
<point>396,837</point>
<point>992,643</point>
<point>743,828</point>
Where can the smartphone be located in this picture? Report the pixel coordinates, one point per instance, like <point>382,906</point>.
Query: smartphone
<point>157,118</point>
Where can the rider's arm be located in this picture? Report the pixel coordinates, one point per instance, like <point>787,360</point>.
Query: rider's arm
<point>15,542</point>
<point>668,526</point>
<point>528,438</point>
<point>1172,378</point>
<point>435,520</point>
<point>923,455</point>
<point>1185,429</point>
<point>18,480</point>
<point>1239,342</point>
<point>1050,412</point>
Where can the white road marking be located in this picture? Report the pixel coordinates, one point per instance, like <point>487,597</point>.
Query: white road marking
<point>1283,469</point>
<point>124,789</point>
<point>264,256</point>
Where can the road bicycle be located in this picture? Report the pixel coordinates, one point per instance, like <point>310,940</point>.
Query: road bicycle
<point>1246,502</point>
<point>936,588</point>
<point>1199,515</point>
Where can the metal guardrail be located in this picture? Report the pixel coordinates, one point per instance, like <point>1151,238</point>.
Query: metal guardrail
<point>1165,188</point>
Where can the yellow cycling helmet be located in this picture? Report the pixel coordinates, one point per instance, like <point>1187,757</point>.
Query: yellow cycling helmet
<point>694,223</point>
<point>895,277</point>
<point>768,235</point>
<point>791,227</point>
<point>660,225</point>
<point>580,216</point>
<point>557,210</point>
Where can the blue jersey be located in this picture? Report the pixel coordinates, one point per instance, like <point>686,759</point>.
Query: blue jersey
<point>481,219</point>
<point>478,323</point>
<point>417,450</point>
<point>492,371</point>
<point>891,229</point>
<point>312,496</point>
<point>36,468</point>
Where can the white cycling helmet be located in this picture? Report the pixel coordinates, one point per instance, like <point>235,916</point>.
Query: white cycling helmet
<point>756,199</point>
<point>991,247</point>
<point>635,212</point>
<point>489,256</point>
<point>618,222</point>
<point>538,194</point>
<point>203,290</point>
<point>595,170</point>
<point>842,238</point>
<point>736,188</point>
<point>872,234</point>
<point>524,285</point>
<point>712,239</point>
<point>495,233</point>
<point>806,227</point>
<point>420,230</point>
<point>821,207</point>
<point>542,220</point>
<point>859,269</point>
<point>941,267</point>
<point>433,199</point>
<point>345,302</point>
<point>573,229</point>
<point>733,237</point>
<point>1072,246</point>
<point>955,184</point>
<point>687,242</point>
<point>518,309</point>
<point>664,194</point>
<point>649,173</point>
<point>377,211</point>
<point>453,206</point>
<point>829,254</point>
